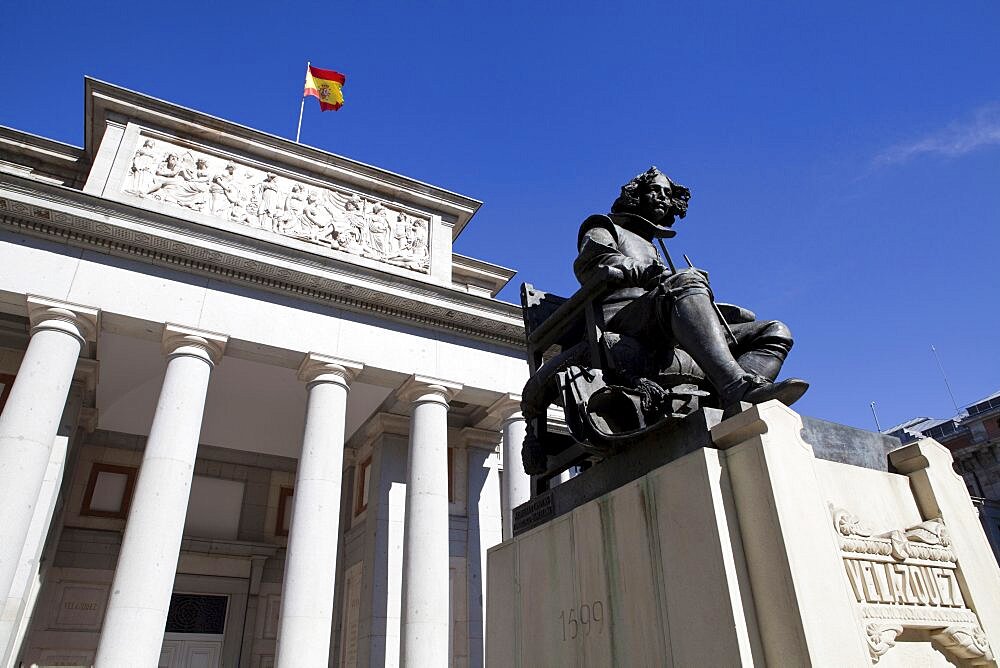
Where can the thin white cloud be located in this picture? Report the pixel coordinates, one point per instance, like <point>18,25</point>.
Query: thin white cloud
<point>959,138</point>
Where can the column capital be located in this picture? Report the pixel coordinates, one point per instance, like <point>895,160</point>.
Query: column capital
<point>507,407</point>
<point>207,346</point>
<point>80,322</point>
<point>317,368</point>
<point>418,389</point>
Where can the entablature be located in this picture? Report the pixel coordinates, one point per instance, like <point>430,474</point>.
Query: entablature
<point>117,228</point>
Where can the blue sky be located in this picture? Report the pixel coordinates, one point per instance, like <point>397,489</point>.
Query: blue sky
<point>844,158</point>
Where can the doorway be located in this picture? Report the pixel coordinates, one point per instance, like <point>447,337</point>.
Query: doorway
<point>196,624</point>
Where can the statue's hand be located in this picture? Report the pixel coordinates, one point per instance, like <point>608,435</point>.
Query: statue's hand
<point>614,274</point>
<point>652,275</point>
<point>688,278</point>
<point>703,273</point>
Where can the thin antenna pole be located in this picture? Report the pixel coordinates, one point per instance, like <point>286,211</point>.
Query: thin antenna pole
<point>946,383</point>
<point>875,415</point>
<point>302,107</point>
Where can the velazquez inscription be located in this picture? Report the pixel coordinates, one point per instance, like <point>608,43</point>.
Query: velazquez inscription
<point>909,578</point>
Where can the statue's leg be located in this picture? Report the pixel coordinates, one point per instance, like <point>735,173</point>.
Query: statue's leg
<point>764,345</point>
<point>696,327</point>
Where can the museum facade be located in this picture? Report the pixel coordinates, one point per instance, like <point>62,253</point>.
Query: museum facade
<point>255,410</point>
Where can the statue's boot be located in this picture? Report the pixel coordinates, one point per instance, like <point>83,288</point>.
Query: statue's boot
<point>696,327</point>
<point>757,390</point>
<point>764,363</point>
<point>767,350</point>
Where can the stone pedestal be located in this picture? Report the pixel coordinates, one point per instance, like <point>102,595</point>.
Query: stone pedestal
<point>756,551</point>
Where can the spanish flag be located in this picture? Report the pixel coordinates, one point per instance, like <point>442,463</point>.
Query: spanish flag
<point>325,85</point>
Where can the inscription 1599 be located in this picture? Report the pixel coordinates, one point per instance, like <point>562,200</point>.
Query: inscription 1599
<point>582,621</point>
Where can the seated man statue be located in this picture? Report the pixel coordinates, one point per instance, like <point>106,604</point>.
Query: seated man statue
<point>656,310</point>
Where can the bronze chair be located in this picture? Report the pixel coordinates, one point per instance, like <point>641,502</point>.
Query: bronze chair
<point>578,364</point>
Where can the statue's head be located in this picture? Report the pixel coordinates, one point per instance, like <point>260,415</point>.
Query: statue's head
<point>655,197</point>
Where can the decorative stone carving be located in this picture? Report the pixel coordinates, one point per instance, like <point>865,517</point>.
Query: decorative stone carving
<point>922,617</point>
<point>848,524</point>
<point>909,578</point>
<point>881,638</point>
<point>928,540</point>
<point>262,200</point>
<point>965,643</point>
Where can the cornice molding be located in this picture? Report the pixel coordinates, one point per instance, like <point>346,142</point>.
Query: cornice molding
<point>123,230</point>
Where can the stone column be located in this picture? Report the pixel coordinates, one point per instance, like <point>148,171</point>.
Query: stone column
<point>140,596</point>
<point>30,420</point>
<point>311,560</point>
<point>516,483</point>
<point>424,624</point>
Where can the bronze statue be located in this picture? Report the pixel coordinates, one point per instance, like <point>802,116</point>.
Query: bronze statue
<point>654,347</point>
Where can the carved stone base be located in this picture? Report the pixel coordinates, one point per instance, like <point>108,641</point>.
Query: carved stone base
<point>755,552</point>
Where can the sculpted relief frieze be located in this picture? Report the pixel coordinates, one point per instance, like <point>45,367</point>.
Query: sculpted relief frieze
<point>909,579</point>
<point>242,194</point>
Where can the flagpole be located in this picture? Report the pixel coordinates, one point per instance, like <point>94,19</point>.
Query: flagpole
<point>302,107</point>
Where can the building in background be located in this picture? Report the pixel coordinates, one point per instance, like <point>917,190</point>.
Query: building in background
<point>252,402</point>
<point>973,436</point>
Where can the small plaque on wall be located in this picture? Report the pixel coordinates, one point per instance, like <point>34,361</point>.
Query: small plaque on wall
<point>81,607</point>
<point>66,657</point>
